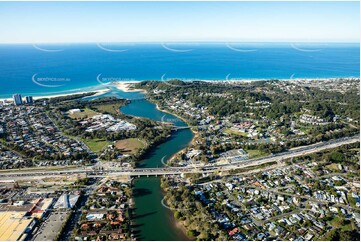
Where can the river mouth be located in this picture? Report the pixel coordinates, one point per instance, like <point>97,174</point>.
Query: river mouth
<point>153,221</point>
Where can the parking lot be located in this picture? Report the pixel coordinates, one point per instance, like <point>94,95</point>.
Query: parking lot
<point>50,229</point>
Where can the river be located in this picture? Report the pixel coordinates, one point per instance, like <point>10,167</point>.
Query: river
<point>154,221</point>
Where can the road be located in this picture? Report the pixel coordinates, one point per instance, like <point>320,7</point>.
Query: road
<point>91,172</point>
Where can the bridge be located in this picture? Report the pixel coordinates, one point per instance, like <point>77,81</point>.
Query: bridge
<point>136,99</point>
<point>164,171</point>
<point>175,128</point>
<point>188,127</point>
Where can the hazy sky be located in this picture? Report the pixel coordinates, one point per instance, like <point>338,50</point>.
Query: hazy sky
<point>37,22</point>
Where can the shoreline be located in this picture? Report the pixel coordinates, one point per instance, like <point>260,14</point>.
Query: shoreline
<point>239,79</point>
<point>125,86</point>
<point>36,97</point>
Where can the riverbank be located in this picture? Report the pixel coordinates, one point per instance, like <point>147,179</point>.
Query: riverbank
<point>178,224</point>
<point>125,88</point>
<point>152,221</point>
<point>185,121</point>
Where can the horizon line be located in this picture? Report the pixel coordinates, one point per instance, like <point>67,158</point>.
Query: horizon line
<point>190,41</point>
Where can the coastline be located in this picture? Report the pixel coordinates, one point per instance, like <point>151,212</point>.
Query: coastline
<point>36,97</point>
<point>126,86</point>
<point>248,80</point>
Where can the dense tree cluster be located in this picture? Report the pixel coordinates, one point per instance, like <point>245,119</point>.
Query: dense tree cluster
<point>322,103</point>
<point>191,213</point>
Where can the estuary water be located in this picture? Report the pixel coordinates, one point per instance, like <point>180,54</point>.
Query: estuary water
<point>153,220</point>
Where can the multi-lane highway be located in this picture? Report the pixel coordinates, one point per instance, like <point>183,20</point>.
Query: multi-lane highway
<point>92,171</point>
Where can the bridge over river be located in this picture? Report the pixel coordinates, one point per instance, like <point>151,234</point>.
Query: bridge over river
<point>100,172</point>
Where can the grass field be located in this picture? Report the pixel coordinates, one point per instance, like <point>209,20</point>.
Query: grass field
<point>333,167</point>
<point>256,153</point>
<point>85,113</point>
<point>96,145</point>
<point>337,224</point>
<point>108,108</point>
<point>129,146</point>
<point>234,132</point>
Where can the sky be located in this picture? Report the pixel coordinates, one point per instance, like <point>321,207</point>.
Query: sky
<point>72,22</point>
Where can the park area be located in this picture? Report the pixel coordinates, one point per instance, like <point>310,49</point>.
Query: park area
<point>235,132</point>
<point>84,113</point>
<point>96,145</point>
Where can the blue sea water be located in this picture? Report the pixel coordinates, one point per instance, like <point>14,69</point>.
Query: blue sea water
<point>49,69</point>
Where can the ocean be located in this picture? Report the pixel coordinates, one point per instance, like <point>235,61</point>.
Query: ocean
<point>40,69</point>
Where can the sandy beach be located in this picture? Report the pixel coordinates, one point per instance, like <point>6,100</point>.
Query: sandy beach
<point>122,86</point>
<point>127,86</point>
<point>35,97</point>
